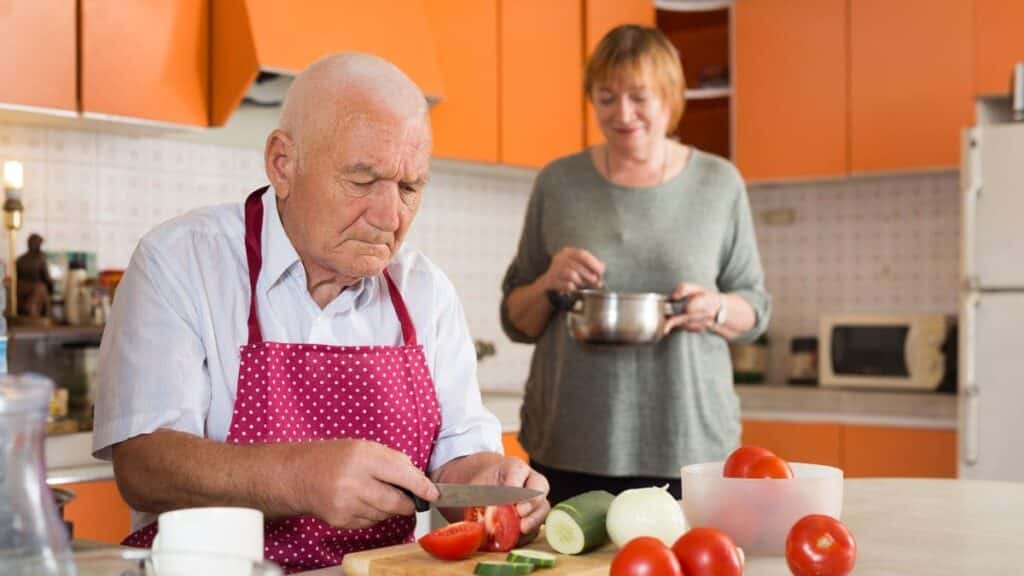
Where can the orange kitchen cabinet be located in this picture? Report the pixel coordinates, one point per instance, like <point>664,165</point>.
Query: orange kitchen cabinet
<point>39,41</point>
<point>911,87</point>
<point>146,60</point>
<point>901,452</point>
<point>541,69</point>
<point>465,122</point>
<point>599,17</point>
<point>790,88</point>
<point>998,43</point>
<point>814,442</point>
<point>510,442</point>
<point>98,512</point>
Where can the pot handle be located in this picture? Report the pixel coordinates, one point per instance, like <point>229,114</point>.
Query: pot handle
<point>563,301</point>
<point>676,307</point>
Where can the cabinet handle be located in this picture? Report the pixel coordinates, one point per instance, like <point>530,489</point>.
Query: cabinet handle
<point>971,391</point>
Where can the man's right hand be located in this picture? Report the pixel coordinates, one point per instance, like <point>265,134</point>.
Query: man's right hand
<point>353,483</point>
<point>573,269</point>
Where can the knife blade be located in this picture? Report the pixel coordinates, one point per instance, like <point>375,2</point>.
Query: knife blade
<point>463,495</point>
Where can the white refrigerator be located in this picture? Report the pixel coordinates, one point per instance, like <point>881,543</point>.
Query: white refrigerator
<point>991,386</point>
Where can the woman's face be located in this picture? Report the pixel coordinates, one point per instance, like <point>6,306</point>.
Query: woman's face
<point>632,115</point>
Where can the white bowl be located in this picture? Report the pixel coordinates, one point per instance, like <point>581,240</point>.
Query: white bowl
<point>758,513</point>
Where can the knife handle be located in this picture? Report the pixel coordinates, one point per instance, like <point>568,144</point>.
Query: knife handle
<point>421,504</point>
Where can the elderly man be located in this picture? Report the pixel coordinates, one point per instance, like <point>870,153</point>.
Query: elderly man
<point>242,333</point>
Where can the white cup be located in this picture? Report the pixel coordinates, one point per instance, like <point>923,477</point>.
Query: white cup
<point>225,541</point>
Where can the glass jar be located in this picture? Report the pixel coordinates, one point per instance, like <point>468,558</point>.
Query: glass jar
<point>33,541</point>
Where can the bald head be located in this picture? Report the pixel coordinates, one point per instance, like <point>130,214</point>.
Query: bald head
<point>339,88</point>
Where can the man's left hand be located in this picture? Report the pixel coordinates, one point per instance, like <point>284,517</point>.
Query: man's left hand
<point>495,469</point>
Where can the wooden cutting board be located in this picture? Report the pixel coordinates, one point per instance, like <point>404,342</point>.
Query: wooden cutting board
<point>410,559</point>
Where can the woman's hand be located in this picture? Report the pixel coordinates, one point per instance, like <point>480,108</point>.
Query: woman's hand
<point>572,269</point>
<point>701,309</point>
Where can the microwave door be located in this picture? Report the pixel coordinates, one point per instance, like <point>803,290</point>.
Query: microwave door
<point>991,395</point>
<point>993,202</point>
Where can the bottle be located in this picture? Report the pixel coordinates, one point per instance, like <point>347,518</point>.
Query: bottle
<point>33,540</point>
<point>3,324</point>
<point>72,292</point>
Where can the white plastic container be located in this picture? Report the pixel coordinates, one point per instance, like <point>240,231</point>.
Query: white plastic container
<point>758,513</point>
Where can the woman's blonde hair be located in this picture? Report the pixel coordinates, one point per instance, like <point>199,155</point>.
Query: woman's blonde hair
<point>635,50</point>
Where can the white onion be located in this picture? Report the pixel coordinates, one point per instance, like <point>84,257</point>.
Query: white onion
<point>645,512</point>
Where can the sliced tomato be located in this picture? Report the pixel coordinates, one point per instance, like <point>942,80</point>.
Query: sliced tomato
<point>501,526</point>
<point>454,541</point>
<point>770,467</point>
<point>739,462</point>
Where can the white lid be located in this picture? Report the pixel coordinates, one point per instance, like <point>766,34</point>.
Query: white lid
<point>24,393</point>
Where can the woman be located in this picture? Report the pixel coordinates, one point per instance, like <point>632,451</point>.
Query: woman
<point>642,213</point>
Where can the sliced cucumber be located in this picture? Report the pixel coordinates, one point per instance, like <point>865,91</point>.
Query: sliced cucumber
<point>502,568</point>
<point>578,524</point>
<point>538,558</point>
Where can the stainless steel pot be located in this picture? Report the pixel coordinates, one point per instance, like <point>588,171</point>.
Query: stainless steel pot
<point>603,317</point>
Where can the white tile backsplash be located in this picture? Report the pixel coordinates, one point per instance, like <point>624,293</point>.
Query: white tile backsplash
<point>886,243</point>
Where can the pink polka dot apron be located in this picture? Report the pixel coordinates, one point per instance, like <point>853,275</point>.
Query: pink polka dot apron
<point>303,392</point>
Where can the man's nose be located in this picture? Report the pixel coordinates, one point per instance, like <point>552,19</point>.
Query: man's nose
<point>383,212</point>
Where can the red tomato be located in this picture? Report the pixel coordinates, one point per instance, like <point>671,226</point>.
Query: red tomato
<point>645,556</point>
<point>741,458</point>
<point>769,467</point>
<point>454,541</point>
<point>708,552</point>
<point>501,526</point>
<point>819,544</point>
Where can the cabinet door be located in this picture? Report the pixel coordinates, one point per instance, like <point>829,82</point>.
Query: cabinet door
<point>910,83</point>
<point>541,67</point>
<point>599,17</point>
<point>39,43</point>
<point>790,88</point>
<point>510,442</point>
<point>465,122</point>
<point>884,451</point>
<point>147,60</point>
<point>98,513</point>
<point>998,43</point>
<point>812,442</point>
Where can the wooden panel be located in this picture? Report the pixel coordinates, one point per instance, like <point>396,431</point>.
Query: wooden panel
<point>147,60</point>
<point>232,59</point>
<point>910,82</point>
<point>600,16</point>
<point>291,35</point>
<point>540,94</point>
<point>411,560</point>
<point>98,512</point>
<point>510,441</point>
<point>998,43</point>
<point>465,122</point>
<point>39,40</point>
<point>899,452</point>
<point>790,88</point>
<point>813,442</point>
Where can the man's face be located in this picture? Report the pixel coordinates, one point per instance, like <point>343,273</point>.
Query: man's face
<point>356,192</point>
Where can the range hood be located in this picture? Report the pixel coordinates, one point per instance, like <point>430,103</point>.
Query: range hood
<point>259,45</point>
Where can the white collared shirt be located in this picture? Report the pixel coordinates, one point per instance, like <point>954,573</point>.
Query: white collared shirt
<point>170,351</point>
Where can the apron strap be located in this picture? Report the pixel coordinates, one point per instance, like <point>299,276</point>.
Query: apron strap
<point>254,256</point>
<point>408,330</point>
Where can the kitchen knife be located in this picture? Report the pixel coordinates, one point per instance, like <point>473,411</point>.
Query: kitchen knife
<point>463,495</point>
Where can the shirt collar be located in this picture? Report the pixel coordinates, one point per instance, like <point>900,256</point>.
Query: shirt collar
<point>279,256</point>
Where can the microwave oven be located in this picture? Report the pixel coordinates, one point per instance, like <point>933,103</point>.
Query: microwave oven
<point>888,351</point>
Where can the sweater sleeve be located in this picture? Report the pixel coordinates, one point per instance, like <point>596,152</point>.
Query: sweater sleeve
<point>530,262</point>
<point>740,271</point>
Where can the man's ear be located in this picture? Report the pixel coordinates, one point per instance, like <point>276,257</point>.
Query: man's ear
<point>281,159</point>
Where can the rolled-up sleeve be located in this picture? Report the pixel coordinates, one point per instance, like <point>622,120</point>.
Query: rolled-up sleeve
<point>741,273</point>
<point>467,426</point>
<point>151,371</point>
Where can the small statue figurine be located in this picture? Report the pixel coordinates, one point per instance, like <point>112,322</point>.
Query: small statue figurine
<point>34,283</point>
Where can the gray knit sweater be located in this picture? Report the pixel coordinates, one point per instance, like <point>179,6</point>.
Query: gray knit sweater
<point>640,410</point>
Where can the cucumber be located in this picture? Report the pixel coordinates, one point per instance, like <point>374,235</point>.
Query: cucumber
<point>502,568</point>
<point>538,558</point>
<point>578,524</point>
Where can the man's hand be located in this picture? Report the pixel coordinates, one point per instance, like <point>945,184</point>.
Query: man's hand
<point>352,483</point>
<point>495,469</point>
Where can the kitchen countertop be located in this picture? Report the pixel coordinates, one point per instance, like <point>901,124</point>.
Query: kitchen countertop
<point>914,526</point>
<point>801,404</point>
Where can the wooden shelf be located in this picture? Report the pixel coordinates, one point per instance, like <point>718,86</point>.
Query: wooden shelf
<point>692,5</point>
<point>709,93</point>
